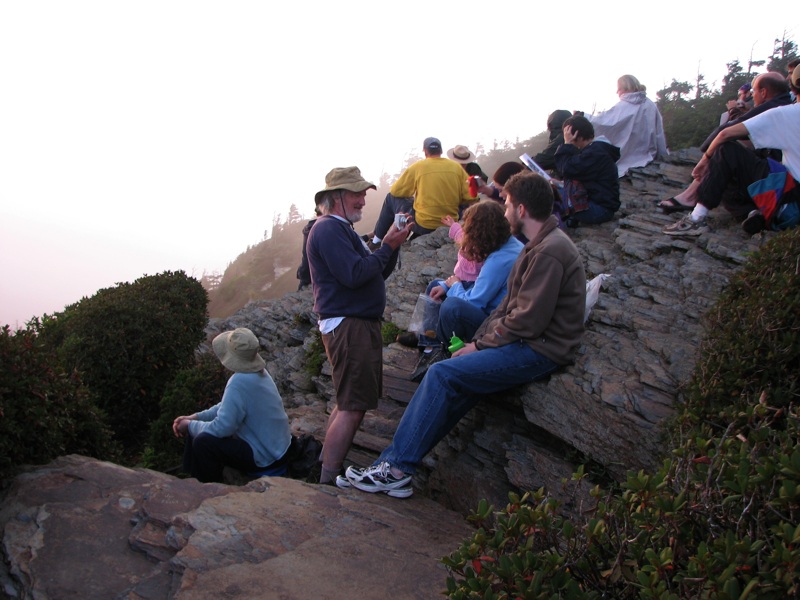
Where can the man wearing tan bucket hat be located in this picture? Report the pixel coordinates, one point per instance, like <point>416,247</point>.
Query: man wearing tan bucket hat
<point>248,429</point>
<point>349,297</point>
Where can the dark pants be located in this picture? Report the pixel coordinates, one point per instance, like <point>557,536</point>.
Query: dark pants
<point>732,168</point>
<point>393,205</point>
<point>206,455</point>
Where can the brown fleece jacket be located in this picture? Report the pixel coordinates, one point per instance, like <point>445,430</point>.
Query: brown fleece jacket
<point>546,299</point>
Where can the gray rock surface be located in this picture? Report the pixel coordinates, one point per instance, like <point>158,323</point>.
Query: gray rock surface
<point>81,528</point>
<point>86,529</point>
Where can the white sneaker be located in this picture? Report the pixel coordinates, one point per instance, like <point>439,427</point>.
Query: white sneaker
<point>379,478</point>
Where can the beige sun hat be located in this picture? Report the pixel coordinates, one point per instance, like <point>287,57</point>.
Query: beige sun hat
<point>344,178</point>
<point>237,350</point>
<point>461,154</point>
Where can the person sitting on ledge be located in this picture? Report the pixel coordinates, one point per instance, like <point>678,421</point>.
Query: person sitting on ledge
<point>555,131</point>
<point>770,90</point>
<point>591,187</point>
<point>728,164</point>
<point>248,429</point>
<point>535,330</point>
<point>429,189</point>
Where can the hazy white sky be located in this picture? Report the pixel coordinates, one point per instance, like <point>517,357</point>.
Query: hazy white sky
<point>139,137</point>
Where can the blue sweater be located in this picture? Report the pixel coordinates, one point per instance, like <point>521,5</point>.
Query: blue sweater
<point>490,287</point>
<point>348,280</point>
<point>251,409</point>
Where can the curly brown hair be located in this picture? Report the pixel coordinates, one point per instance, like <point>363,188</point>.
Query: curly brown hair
<point>485,230</point>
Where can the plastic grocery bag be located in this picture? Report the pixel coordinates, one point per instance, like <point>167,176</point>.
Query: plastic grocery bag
<point>426,315</point>
<point>593,293</point>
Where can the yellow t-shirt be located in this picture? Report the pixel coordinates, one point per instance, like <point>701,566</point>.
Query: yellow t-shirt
<point>439,186</point>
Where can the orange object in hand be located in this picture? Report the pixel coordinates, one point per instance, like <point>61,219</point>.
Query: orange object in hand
<point>474,182</point>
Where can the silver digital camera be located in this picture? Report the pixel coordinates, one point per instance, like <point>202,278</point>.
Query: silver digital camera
<point>400,220</point>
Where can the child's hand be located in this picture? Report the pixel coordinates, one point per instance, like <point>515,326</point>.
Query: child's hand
<point>447,220</point>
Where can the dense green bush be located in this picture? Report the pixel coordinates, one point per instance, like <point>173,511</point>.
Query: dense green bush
<point>193,389</point>
<point>720,518</point>
<point>128,342</point>
<point>389,332</point>
<point>752,343</point>
<point>44,412</point>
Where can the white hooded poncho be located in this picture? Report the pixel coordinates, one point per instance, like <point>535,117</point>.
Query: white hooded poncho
<point>634,125</point>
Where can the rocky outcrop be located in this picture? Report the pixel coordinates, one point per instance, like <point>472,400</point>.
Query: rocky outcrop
<point>83,528</point>
<point>80,528</point>
<point>607,409</point>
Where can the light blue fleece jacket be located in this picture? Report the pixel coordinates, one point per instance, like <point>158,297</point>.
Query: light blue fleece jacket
<point>490,287</point>
<point>251,409</point>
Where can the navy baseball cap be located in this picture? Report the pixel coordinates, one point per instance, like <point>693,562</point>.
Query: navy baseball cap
<point>432,144</point>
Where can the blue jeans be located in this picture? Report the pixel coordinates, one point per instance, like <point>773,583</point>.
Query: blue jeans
<point>458,317</point>
<point>465,284</point>
<point>593,215</point>
<point>453,386</point>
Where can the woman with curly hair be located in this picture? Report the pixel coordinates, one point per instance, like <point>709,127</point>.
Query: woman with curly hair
<point>487,239</point>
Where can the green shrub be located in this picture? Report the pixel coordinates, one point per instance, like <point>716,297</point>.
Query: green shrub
<point>128,342</point>
<point>315,353</point>
<point>752,342</point>
<point>389,332</point>
<point>720,518</point>
<point>194,389</point>
<point>44,412</point>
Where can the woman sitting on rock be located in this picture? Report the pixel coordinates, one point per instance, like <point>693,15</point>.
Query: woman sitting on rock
<point>633,125</point>
<point>248,429</point>
<point>487,239</point>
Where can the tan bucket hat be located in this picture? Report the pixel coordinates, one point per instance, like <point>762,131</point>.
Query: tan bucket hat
<point>237,350</point>
<point>461,154</point>
<point>344,178</point>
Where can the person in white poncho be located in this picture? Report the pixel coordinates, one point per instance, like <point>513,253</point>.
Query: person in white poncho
<point>634,125</point>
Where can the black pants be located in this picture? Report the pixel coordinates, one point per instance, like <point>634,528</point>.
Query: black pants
<point>205,456</point>
<point>731,169</point>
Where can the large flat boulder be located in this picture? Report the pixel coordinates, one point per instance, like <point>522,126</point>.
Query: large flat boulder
<point>81,528</point>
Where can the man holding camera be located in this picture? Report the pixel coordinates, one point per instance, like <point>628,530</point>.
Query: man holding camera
<point>349,297</point>
<point>536,329</point>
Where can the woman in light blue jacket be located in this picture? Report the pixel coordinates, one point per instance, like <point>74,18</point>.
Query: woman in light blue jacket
<point>248,429</point>
<point>487,238</point>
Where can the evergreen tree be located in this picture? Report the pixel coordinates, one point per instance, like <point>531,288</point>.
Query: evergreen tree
<point>784,51</point>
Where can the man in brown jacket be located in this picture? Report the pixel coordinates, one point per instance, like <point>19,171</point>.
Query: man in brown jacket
<point>536,329</point>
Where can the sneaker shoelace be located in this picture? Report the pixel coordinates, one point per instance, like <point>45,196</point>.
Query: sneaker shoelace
<point>381,470</point>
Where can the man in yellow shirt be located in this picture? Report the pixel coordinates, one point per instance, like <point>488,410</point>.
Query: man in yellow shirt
<point>438,186</point>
